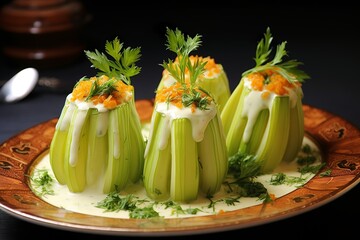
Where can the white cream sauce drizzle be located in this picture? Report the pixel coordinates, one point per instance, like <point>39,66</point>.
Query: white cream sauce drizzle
<point>199,120</point>
<point>76,133</point>
<point>78,118</point>
<point>254,104</point>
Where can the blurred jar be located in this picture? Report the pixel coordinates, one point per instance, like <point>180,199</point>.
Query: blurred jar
<point>43,33</point>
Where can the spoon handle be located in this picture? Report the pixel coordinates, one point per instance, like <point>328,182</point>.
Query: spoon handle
<point>52,84</point>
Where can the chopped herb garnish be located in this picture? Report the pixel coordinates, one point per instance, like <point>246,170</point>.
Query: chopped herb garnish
<point>282,178</point>
<point>311,168</point>
<point>42,182</point>
<point>191,93</point>
<point>325,173</point>
<point>177,209</point>
<point>102,89</point>
<point>144,213</point>
<point>114,202</point>
<point>230,201</point>
<point>123,64</point>
<point>288,69</point>
<point>244,166</point>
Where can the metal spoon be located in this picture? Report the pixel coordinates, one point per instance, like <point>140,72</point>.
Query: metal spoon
<point>19,86</point>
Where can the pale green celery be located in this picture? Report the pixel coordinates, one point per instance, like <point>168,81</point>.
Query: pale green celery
<point>236,123</point>
<point>57,148</point>
<point>76,151</point>
<point>296,131</point>
<point>275,139</point>
<point>251,146</point>
<point>184,185</point>
<point>105,147</point>
<point>213,157</point>
<point>117,171</point>
<point>137,145</point>
<point>158,161</point>
<point>98,146</point>
<point>176,166</point>
<point>57,155</point>
<point>218,87</point>
<point>227,115</point>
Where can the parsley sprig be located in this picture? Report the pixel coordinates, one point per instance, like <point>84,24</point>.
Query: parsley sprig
<point>177,43</point>
<point>123,64</point>
<point>102,89</point>
<point>288,69</point>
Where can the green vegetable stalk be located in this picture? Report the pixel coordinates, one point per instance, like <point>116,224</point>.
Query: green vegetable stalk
<point>186,153</point>
<point>263,116</point>
<point>98,141</point>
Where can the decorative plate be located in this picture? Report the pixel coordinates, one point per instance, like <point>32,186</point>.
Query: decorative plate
<point>338,140</point>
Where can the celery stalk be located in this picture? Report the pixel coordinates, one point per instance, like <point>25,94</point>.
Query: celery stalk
<point>57,145</point>
<point>218,87</point>
<point>184,183</point>
<point>98,145</point>
<point>231,106</point>
<point>237,124</point>
<point>158,160</point>
<point>76,151</point>
<point>212,157</point>
<point>117,170</point>
<point>296,131</point>
<point>251,146</point>
<point>274,142</point>
<point>137,145</point>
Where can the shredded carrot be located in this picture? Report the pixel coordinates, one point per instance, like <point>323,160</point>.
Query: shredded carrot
<point>120,95</point>
<point>265,94</point>
<point>271,81</point>
<point>173,94</point>
<point>257,81</point>
<point>221,211</point>
<point>272,196</point>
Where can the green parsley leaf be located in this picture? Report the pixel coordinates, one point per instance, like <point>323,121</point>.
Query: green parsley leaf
<point>177,43</point>
<point>121,66</point>
<point>288,69</point>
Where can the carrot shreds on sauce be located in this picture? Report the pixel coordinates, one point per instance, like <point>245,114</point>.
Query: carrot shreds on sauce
<point>174,95</point>
<point>121,92</point>
<point>271,81</point>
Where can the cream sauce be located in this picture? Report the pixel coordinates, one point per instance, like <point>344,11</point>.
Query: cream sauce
<point>85,202</point>
<point>199,120</point>
<point>76,112</point>
<point>254,104</point>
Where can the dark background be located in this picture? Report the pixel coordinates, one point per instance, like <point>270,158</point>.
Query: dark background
<point>324,38</point>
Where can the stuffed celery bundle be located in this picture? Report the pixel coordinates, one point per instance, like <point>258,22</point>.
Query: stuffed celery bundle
<point>98,141</point>
<point>186,153</point>
<point>214,79</point>
<point>263,116</point>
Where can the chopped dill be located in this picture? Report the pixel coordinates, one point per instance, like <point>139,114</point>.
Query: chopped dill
<point>42,182</point>
<point>177,209</point>
<point>144,213</point>
<point>282,178</point>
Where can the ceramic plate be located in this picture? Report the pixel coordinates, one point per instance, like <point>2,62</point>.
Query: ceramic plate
<point>338,140</point>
